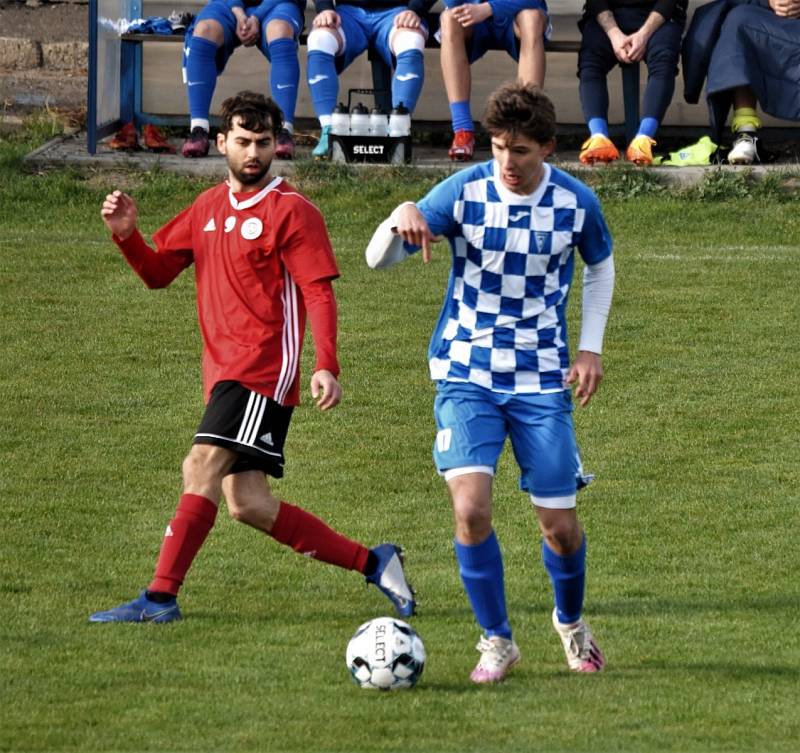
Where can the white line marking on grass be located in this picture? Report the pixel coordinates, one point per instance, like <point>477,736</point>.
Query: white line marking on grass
<point>720,254</point>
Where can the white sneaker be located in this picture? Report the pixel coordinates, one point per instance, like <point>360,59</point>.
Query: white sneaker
<point>498,655</point>
<point>744,150</point>
<point>583,654</point>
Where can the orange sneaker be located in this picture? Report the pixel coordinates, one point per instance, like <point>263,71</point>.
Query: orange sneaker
<point>463,146</point>
<point>155,140</point>
<point>125,139</point>
<point>598,148</point>
<point>640,151</point>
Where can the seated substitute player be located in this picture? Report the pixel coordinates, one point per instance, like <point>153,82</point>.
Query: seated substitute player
<point>467,31</point>
<point>221,27</point>
<point>263,259</point>
<point>500,359</point>
<point>627,31</point>
<point>343,30</point>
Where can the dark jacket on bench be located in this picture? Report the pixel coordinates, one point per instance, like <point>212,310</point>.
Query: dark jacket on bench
<point>742,43</point>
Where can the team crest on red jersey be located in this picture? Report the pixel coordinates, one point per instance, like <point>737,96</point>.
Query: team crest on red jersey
<point>251,229</point>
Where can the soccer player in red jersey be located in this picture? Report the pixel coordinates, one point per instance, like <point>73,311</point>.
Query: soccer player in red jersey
<point>263,261</point>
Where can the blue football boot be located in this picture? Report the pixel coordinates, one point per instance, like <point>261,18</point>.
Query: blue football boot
<point>323,145</point>
<point>140,610</point>
<point>390,578</point>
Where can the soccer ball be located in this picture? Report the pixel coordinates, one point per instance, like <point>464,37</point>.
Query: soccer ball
<point>385,654</point>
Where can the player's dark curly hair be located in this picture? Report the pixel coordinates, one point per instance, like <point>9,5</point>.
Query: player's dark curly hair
<point>521,109</point>
<point>256,113</point>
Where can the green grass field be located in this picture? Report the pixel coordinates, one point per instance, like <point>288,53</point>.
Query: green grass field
<point>692,523</point>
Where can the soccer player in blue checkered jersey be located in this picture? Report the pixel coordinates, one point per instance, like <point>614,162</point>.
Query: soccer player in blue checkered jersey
<point>343,29</point>
<point>500,359</point>
<point>219,29</point>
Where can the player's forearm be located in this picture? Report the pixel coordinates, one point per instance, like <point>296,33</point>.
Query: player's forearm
<point>321,307</point>
<point>653,22</point>
<point>156,270</point>
<point>598,290</point>
<point>601,10</point>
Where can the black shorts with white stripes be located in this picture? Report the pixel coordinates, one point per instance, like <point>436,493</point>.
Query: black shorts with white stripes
<point>252,425</point>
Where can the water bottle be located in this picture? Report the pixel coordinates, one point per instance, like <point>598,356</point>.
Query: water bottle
<point>378,123</point>
<point>340,121</point>
<point>399,122</point>
<point>359,121</point>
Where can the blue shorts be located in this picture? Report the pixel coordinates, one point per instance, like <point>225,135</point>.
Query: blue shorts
<point>218,11</point>
<point>473,424</point>
<point>363,29</point>
<point>497,31</point>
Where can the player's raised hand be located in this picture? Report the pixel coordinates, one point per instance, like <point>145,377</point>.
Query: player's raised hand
<point>119,213</point>
<point>325,389</point>
<point>413,228</point>
<point>586,373</point>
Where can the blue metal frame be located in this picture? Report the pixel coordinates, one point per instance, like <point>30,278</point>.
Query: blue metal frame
<point>130,83</point>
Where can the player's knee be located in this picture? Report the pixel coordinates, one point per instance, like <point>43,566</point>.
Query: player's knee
<point>278,28</point>
<point>204,465</point>
<point>322,40</point>
<point>405,40</point>
<point>531,24</point>
<point>211,30</point>
<point>473,523</point>
<point>563,536</point>
<point>258,511</point>
<point>451,29</point>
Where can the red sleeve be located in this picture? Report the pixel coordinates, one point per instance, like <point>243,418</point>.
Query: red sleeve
<point>321,308</point>
<point>156,269</point>
<point>304,243</point>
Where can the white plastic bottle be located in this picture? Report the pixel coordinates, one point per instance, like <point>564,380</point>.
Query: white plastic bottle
<point>359,121</point>
<point>378,123</point>
<point>340,121</point>
<point>399,122</point>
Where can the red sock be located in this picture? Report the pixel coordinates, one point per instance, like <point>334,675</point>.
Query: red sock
<point>185,534</point>
<point>312,537</point>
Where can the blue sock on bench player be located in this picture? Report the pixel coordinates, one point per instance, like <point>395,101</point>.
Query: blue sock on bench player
<point>201,78</point>
<point>323,82</point>
<point>461,116</point>
<point>284,77</point>
<point>408,79</point>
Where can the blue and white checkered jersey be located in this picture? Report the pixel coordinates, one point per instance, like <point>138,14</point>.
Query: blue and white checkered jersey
<point>503,322</point>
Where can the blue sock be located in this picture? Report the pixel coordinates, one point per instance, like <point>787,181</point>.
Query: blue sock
<point>461,116</point>
<point>408,79</point>
<point>568,576</point>
<point>598,126</point>
<point>323,81</point>
<point>201,76</point>
<point>648,127</point>
<point>284,75</point>
<point>481,569</point>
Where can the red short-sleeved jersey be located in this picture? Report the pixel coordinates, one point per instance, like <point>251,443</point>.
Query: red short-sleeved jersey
<point>253,254</point>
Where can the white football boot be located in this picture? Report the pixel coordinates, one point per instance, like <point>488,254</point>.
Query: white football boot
<point>498,655</point>
<point>744,150</point>
<point>583,654</point>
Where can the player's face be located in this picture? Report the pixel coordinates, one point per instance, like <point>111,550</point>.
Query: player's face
<point>520,160</point>
<point>249,155</point>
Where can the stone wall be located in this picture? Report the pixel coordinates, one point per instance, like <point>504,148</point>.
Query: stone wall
<point>38,35</point>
